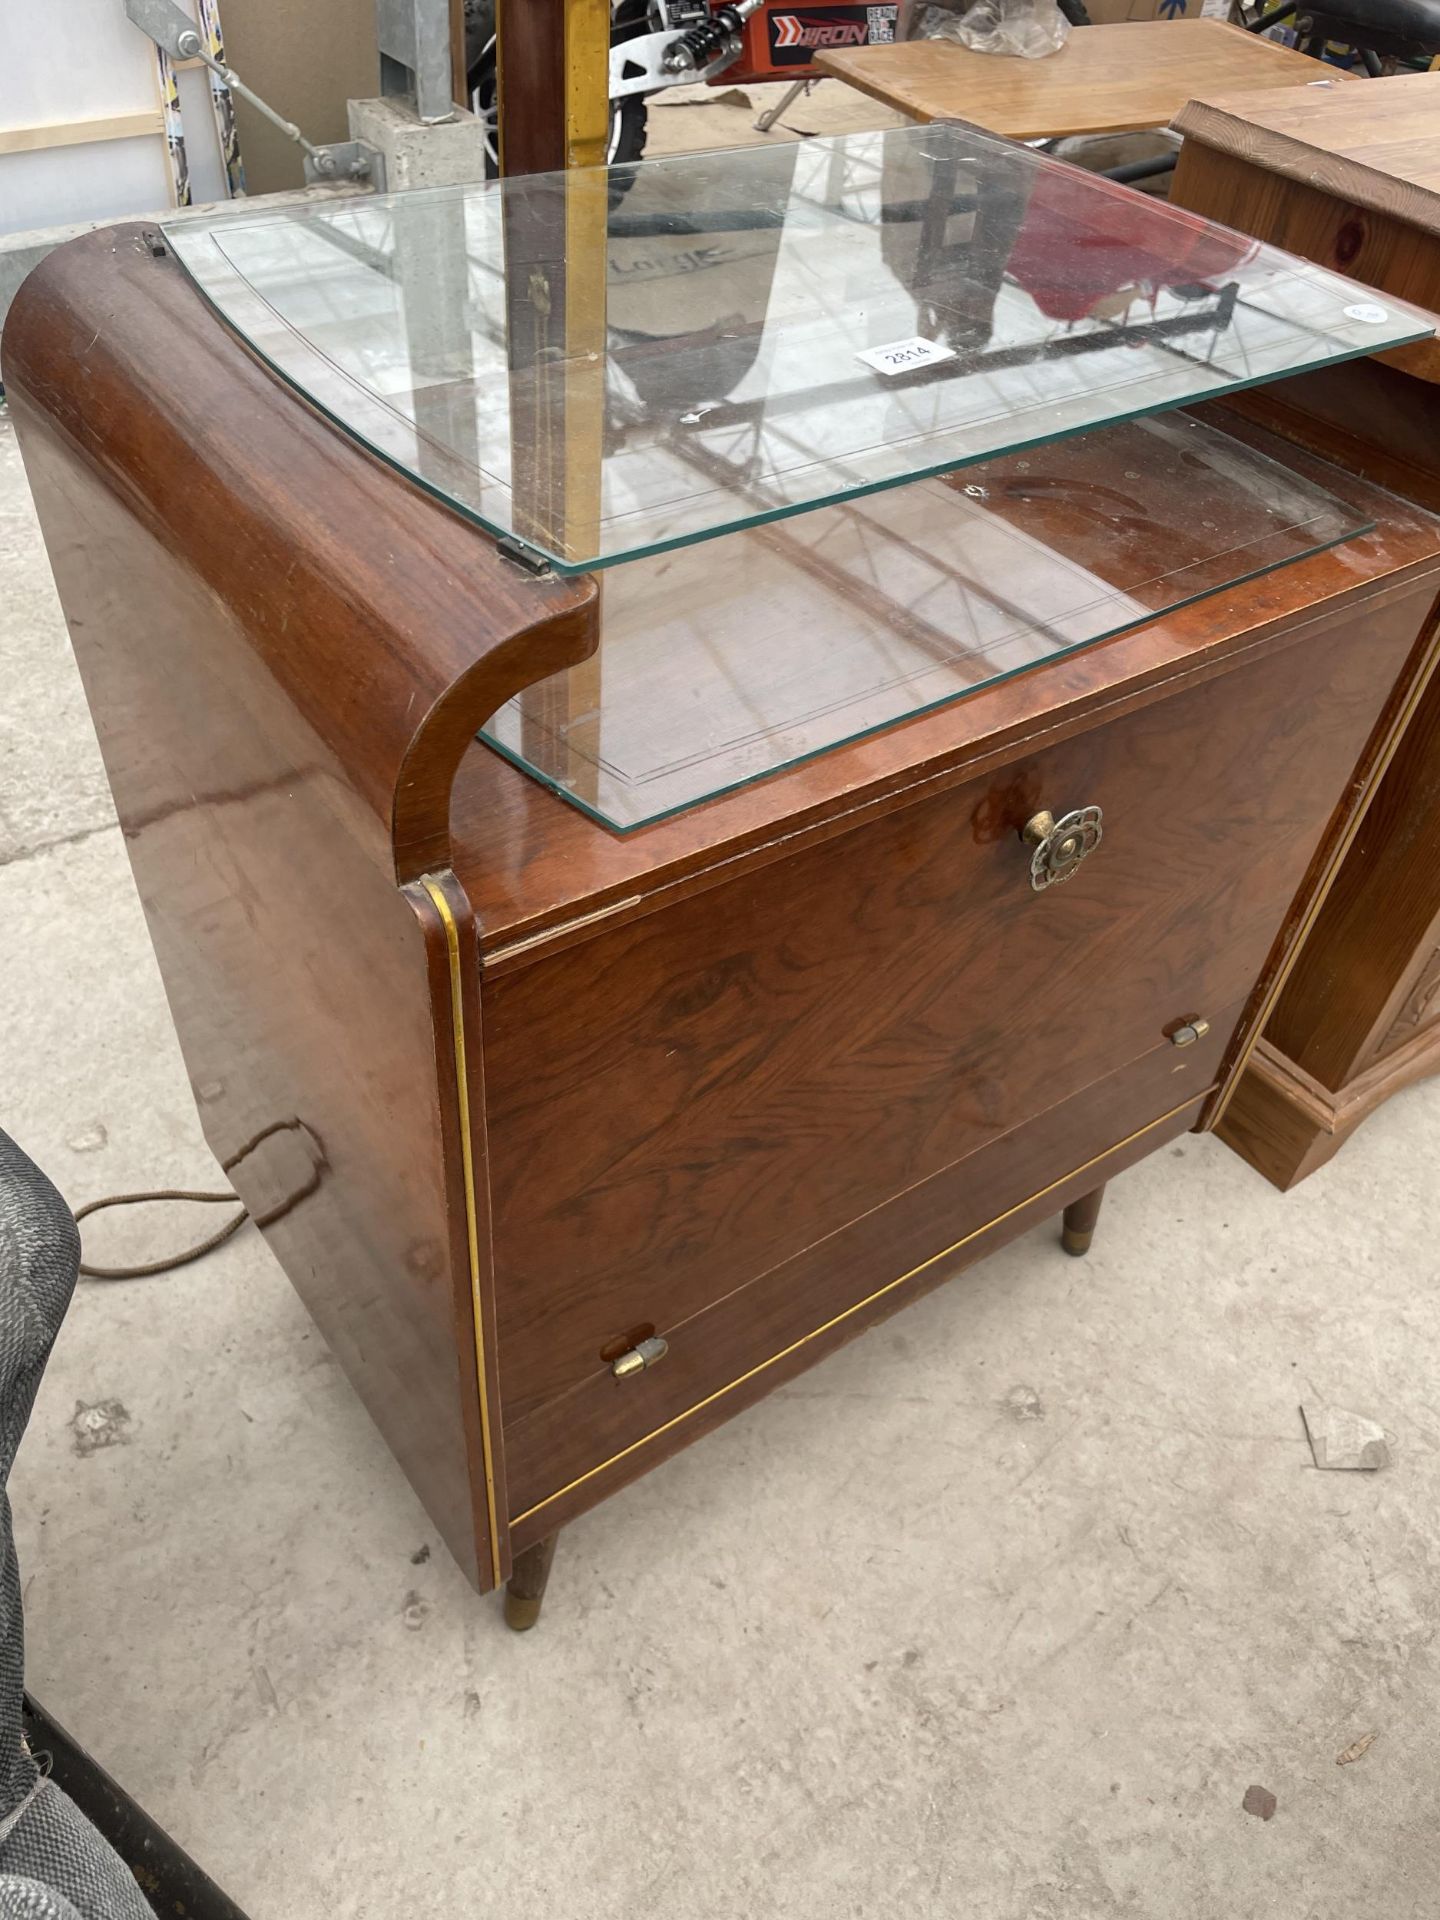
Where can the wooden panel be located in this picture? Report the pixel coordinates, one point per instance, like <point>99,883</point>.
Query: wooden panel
<point>253,865</point>
<point>459,77</point>
<point>1106,79</point>
<point>1348,177</point>
<point>1421,1005</point>
<point>1378,923</point>
<point>554,66</point>
<point>1287,1125</point>
<point>1374,420</point>
<point>278,639</point>
<point>729,1356</point>
<point>391,626</point>
<point>713,1087</point>
<point>1372,145</point>
<point>1279,1120</point>
<point>78,133</point>
<point>81,62</point>
<point>1380,249</point>
<point>530,45</point>
<point>306,61</point>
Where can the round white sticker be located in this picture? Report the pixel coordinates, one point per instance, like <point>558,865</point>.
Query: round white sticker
<point>1372,316</point>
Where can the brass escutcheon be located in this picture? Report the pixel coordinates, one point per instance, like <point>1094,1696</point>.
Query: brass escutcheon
<point>1060,845</point>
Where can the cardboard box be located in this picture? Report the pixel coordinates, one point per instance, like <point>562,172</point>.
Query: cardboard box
<point>1106,13</point>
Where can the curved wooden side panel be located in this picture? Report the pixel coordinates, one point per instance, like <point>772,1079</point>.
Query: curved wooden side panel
<point>391,627</point>
<point>286,651</point>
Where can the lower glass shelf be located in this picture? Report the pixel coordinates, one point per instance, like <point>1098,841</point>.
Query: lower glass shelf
<point>723,663</point>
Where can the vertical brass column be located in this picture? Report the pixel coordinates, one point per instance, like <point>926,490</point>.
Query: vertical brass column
<point>552,62</point>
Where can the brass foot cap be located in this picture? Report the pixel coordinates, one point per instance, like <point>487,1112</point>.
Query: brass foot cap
<point>1076,1243</point>
<point>520,1613</point>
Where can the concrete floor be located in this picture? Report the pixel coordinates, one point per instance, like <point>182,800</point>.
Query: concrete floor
<point>998,1613</point>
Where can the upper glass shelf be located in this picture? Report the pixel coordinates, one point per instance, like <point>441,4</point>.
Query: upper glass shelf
<point>608,363</point>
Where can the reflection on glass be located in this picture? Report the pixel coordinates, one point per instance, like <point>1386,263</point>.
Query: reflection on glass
<point>603,366</point>
<point>722,664</point>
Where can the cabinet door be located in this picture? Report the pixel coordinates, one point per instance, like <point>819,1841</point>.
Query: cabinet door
<point>684,1103</point>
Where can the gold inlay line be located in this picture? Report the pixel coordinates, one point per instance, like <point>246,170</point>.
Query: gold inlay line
<point>472,1231</point>
<point>839,1318</point>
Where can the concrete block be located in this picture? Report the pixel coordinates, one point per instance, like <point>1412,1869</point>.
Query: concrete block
<point>447,155</point>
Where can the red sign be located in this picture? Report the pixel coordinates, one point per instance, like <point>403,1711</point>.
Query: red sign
<point>791,32</point>
<point>783,39</point>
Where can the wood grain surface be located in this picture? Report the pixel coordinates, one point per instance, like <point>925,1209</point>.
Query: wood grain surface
<point>1374,146</point>
<point>1378,929</point>
<point>1326,218</point>
<point>1287,1125</point>
<point>530,69</point>
<point>1371,419</point>
<point>1106,79</point>
<point>732,1354</point>
<point>391,626</point>
<point>272,630</point>
<point>1349,177</point>
<point>719,1085</point>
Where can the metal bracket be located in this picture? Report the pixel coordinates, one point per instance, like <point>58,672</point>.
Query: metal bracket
<point>165,24</point>
<point>638,65</point>
<point>515,550</point>
<point>345,160</point>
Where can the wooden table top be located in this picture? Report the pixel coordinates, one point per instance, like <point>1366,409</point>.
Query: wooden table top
<point>1110,79</point>
<point>1376,146</point>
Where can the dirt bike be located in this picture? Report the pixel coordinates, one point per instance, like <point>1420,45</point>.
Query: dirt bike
<point>655,44</point>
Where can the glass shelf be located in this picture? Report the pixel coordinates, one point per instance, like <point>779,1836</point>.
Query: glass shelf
<point>720,665</point>
<point>603,365</point>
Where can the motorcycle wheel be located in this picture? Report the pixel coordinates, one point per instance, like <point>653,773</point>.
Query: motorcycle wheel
<point>627,116</point>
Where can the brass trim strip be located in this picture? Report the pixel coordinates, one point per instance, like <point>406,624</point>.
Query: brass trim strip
<point>839,1318</point>
<point>558,931</point>
<point>472,1231</point>
<point>1423,676</point>
<point>587,91</point>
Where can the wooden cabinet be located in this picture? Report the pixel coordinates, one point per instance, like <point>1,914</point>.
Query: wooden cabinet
<point>729,1093</point>
<point>1350,178</point>
<point>726,1081</point>
<point>575,1142</point>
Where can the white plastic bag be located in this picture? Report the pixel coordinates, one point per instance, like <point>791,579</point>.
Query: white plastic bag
<point>1027,28</point>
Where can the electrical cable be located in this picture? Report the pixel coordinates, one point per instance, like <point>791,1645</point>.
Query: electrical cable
<point>149,1267</point>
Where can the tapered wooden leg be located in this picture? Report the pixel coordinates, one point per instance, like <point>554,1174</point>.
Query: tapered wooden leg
<point>1080,1218</point>
<point>526,1588</point>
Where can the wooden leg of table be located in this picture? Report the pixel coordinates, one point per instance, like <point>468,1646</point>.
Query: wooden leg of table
<point>1080,1218</point>
<point>526,1588</point>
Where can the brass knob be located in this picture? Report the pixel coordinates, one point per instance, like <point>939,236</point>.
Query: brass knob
<point>1192,1031</point>
<point>645,1353</point>
<point>1060,845</point>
